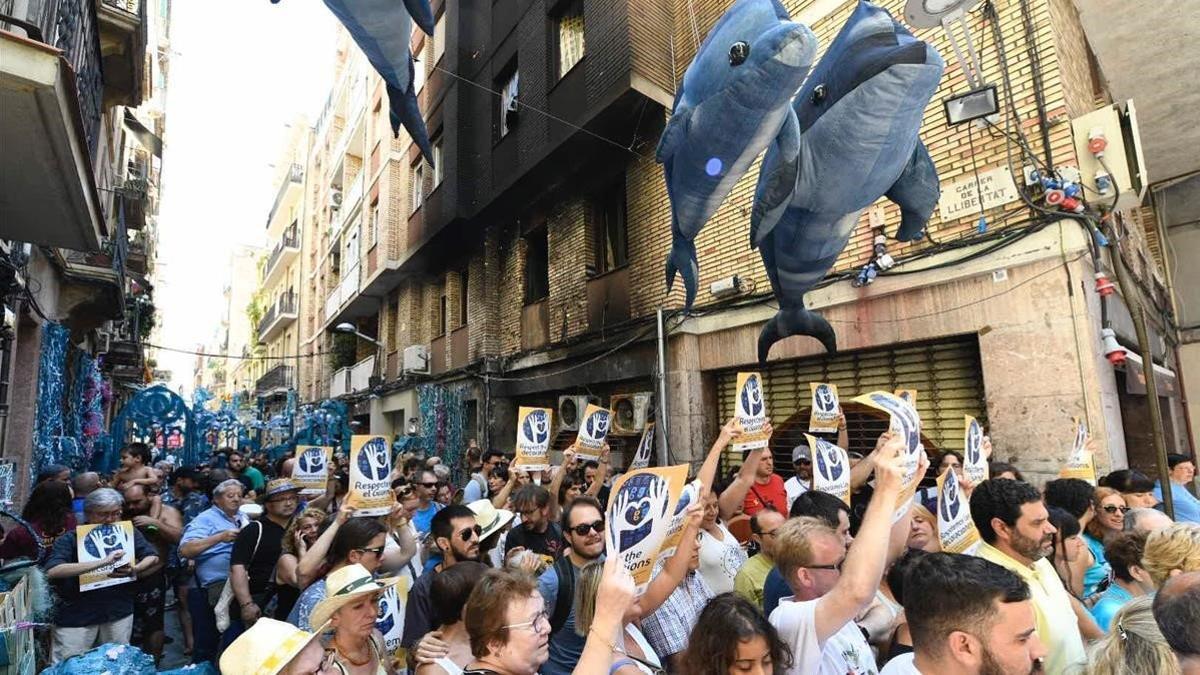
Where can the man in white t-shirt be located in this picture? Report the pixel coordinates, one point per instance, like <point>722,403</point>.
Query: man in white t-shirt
<point>831,585</point>
<point>801,481</point>
<point>967,616</point>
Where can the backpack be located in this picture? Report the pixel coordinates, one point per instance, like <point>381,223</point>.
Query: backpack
<point>566,593</point>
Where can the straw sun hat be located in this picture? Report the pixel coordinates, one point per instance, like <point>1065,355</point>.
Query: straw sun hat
<point>265,648</point>
<point>345,585</point>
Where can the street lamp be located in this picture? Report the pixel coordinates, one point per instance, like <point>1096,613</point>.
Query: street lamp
<point>349,328</point>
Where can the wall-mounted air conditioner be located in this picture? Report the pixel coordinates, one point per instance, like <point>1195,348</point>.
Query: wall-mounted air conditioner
<point>631,412</point>
<point>416,359</point>
<point>571,409</point>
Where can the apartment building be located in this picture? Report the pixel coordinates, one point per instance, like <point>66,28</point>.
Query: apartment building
<point>241,327</point>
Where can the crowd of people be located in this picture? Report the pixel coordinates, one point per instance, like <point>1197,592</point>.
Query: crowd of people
<point>507,573</point>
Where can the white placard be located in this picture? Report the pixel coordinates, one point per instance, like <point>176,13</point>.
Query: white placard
<point>961,198</point>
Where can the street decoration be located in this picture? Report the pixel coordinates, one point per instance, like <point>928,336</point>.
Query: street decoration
<point>859,113</point>
<point>733,100</point>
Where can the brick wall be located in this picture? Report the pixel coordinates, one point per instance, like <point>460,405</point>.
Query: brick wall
<point>569,243</point>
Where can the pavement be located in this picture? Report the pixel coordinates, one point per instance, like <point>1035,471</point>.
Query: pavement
<point>173,656</point>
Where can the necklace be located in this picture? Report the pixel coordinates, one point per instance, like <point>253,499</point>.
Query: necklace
<point>350,658</point>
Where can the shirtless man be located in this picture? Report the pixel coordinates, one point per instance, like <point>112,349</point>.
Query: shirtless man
<point>135,468</point>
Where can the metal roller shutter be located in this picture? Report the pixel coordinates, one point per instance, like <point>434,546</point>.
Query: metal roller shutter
<point>946,375</point>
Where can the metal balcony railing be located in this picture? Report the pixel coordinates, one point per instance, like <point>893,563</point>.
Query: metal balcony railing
<point>279,377</point>
<point>69,25</point>
<point>294,175</point>
<point>290,239</point>
<point>285,305</point>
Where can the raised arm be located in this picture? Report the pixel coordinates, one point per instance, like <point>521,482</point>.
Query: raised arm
<point>557,481</point>
<point>676,567</point>
<point>501,499</point>
<point>310,563</point>
<point>735,494</point>
<point>618,590</point>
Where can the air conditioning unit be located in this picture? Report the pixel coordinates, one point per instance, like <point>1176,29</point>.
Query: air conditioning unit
<point>631,412</point>
<point>416,359</point>
<point>571,410</point>
<point>336,199</point>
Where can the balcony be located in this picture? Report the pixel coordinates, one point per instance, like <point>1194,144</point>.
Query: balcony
<point>278,379</point>
<point>437,355</point>
<point>123,48</point>
<point>51,89</point>
<point>360,374</point>
<point>292,181</point>
<point>286,250</point>
<point>351,200</point>
<point>459,346</point>
<point>535,325</point>
<point>608,299</point>
<point>278,315</point>
<point>339,383</point>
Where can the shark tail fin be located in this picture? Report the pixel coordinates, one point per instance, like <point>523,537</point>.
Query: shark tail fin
<point>406,112</point>
<point>682,259</point>
<point>795,321</point>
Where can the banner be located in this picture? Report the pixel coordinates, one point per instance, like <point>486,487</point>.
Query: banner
<point>592,433</point>
<point>390,620</point>
<point>750,411</point>
<point>641,458</point>
<point>533,439</point>
<point>975,465</point>
<point>310,471</point>
<point>370,476</point>
<point>640,511</point>
<point>825,408</point>
<point>831,468</point>
<point>97,542</point>
<point>906,422</point>
<point>1080,464</point>
<point>908,395</point>
<point>690,495</point>
<point>956,530</point>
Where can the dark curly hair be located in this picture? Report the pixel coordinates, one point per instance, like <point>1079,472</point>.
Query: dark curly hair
<point>999,498</point>
<point>1128,481</point>
<point>49,506</point>
<point>725,621</point>
<point>1070,494</point>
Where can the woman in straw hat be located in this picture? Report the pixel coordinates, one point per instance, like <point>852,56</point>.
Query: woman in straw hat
<point>271,647</point>
<point>350,609</point>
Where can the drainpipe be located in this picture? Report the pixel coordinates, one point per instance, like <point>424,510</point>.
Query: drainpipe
<point>664,453</point>
<point>6,344</point>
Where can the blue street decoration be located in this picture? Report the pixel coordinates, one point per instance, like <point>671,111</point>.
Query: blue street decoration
<point>859,114</point>
<point>382,30</point>
<point>733,101</point>
<point>151,410</point>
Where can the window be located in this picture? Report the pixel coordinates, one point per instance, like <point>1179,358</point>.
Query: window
<point>509,90</point>
<point>570,37</point>
<point>375,224</point>
<point>462,297</point>
<point>537,266</point>
<point>443,320</point>
<point>350,259</point>
<point>418,72</point>
<point>439,171</point>
<point>439,38</point>
<point>418,185</point>
<point>610,231</point>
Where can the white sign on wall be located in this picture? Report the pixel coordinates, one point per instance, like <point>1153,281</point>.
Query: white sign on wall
<point>961,198</point>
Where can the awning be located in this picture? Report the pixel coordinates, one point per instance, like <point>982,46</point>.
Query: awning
<point>1135,381</point>
<point>146,137</point>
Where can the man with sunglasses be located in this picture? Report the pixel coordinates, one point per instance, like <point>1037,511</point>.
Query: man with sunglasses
<point>455,532</point>
<point>425,484</point>
<point>583,528</point>
<point>536,532</point>
<point>832,585</point>
<point>255,552</point>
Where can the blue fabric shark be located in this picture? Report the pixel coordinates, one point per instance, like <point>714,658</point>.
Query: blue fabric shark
<point>732,102</point>
<point>859,114</point>
<point>382,29</point>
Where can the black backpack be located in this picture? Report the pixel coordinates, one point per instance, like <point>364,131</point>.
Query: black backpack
<point>566,593</point>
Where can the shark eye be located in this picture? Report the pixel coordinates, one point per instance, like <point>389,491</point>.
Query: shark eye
<point>738,53</point>
<point>818,94</point>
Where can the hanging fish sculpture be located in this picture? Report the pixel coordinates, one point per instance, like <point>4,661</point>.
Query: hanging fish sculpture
<point>859,114</point>
<point>734,98</point>
<point>382,29</point>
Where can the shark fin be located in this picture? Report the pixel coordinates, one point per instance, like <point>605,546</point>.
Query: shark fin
<point>674,134</point>
<point>422,14</point>
<point>778,181</point>
<point>795,321</point>
<point>916,192</point>
<point>405,111</point>
<point>682,259</point>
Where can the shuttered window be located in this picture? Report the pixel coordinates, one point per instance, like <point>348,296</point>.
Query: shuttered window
<point>945,373</point>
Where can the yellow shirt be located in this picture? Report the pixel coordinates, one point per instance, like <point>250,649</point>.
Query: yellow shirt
<point>1057,625</point>
<point>752,577</point>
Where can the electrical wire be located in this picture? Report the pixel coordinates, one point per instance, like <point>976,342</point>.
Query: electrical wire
<point>192,352</point>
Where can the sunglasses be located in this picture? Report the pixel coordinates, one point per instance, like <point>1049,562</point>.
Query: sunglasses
<point>583,528</point>
<point>429,485</point>
<point>1110,509</point>
<point>470,533</point>
<point>378,550</point>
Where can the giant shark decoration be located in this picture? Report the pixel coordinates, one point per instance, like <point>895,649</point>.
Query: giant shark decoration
<point>859,113</point>
<point>382,29</point>
<point>733,100</point>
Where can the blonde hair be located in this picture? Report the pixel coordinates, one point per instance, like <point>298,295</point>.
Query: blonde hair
<point>1134,645</point>
<point>793,544</point>
<point>1175,547</point>
<point>586,586</point>
<point>289,537</point>
<point>1094,527</point>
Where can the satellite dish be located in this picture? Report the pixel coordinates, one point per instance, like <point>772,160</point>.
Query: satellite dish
<point>951,15</point>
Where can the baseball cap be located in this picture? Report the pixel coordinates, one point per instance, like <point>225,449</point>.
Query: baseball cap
<point>801,453</point>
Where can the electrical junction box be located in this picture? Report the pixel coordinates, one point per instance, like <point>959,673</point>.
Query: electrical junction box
<point>1123,154</point>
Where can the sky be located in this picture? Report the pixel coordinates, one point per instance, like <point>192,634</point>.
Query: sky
<point>240,73</point>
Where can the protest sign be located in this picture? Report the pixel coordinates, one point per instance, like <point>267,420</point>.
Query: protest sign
<point>533,439</point>
<point>641,507</point>
<point>310,471</point>
<point>96,542</point>
<point>975,464</point>
<point>956,530</point>
<point>390,620</point>
<point>641,458</point>
<point>750,411</point>
<point>592,433</point>
<point>690,495</point>
<point>831,468</point>
<point>909,395</point>
<point>370,476</point>
<point>907,423</point>
<point>1080,463</point>
<point>825,408</point>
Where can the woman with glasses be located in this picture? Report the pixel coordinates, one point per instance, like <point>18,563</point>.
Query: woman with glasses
<point>452,588</point>
<point>1109,520</point>
<point>350,609</point>
<point>507,624</point>
<point>301,533</point>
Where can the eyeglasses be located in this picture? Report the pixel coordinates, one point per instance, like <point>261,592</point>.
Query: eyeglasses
<point>837,567</point>
<point>1110,509</point>
<point>470,533</point>
<point>771,534</point>
<point>539,623</point>
<point>583,528</point>
<point>378,550</point>
<point>283,498</point>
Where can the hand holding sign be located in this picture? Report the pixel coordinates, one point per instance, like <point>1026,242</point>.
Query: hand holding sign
<point>890,462</point>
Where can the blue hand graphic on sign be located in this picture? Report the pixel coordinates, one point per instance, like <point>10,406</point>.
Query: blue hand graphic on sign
<point>312,461</point>
<point>373,459</point>
<point>752,401</point>
<point>103,541</point>
<point>824,399</point>
<point>536,429</point>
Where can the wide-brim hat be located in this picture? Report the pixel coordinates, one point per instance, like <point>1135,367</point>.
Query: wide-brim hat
<point>280,486</point>
<point>489,518</point>
<point>345,585</point>
<point>265,648</point>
